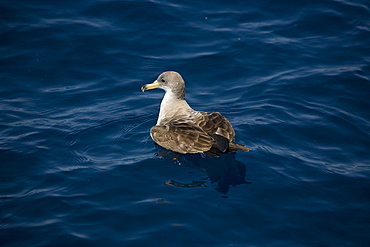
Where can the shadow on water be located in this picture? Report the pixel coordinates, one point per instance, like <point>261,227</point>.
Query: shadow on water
<point>225,170</point>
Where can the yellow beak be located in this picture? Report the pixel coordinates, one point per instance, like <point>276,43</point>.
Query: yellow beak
<point>153,85</point>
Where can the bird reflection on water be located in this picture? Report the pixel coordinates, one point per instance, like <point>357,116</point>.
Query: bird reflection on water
<point>225,170</point>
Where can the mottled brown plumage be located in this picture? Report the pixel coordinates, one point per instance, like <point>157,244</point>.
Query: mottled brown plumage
<point>181,129</point>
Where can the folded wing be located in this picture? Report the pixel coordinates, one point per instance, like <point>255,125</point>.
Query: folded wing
<point>182,136</point>
<point>215,123</point>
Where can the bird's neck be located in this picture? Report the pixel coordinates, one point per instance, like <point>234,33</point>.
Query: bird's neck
<point>171,106</point>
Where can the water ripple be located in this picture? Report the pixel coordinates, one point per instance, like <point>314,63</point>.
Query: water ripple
<point>78,166</point>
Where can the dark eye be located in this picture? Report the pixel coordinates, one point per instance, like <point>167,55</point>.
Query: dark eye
<point>162,80</point>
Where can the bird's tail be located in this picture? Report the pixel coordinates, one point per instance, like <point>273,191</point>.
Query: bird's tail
<point>222,145</point>
<point>238,147</point>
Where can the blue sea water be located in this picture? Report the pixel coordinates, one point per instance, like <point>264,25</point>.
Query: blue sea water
<point>78,167</point>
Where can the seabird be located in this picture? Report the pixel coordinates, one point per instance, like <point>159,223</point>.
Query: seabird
<point>183,130</point>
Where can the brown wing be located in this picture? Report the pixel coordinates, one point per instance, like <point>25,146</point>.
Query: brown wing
<point>215,123</point>
<point>181,136</point>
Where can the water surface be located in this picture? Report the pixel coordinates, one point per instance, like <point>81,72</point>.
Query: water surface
<point>78,167</point>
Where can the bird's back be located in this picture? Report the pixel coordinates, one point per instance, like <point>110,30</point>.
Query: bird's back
<point>215,123</point>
